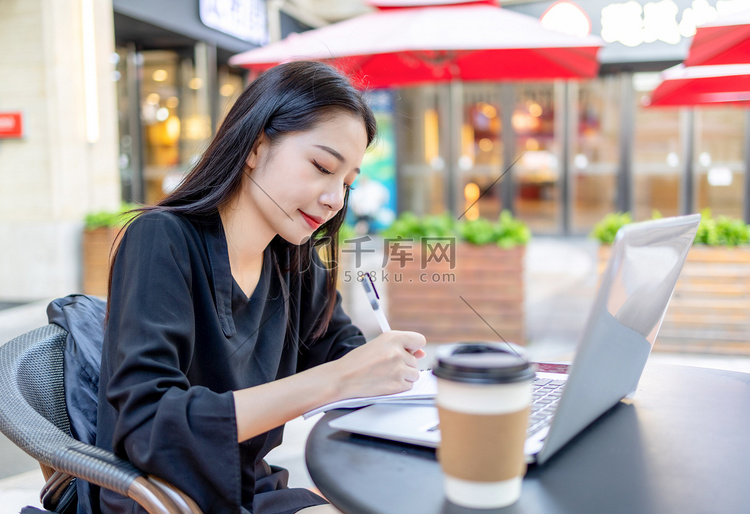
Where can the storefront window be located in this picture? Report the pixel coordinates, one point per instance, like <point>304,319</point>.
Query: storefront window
<point>481,158</point>
<point>422,158</point>
<point>127,159</point>
<point>174,113</point>
<point>538,144</point>
<point>231,85</point>
<point>195,117</point>
<point>162,124</point>
<point>598,125</point>
<point>657,154</point>
<point>718,161</point>
<point>595,152</point>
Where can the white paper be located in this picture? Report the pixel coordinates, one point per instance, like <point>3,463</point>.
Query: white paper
<point>422,392</point>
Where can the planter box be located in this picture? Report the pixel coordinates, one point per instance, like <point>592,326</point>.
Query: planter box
<point>481,296</point>
<point>97,247</point>
<point>709,310</point>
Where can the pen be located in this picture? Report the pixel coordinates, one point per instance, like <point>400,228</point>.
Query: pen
<point>372,295</point>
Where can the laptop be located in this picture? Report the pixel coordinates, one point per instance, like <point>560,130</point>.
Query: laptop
<point>625,318</point>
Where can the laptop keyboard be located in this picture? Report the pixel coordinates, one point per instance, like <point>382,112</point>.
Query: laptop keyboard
<point>545,396</point>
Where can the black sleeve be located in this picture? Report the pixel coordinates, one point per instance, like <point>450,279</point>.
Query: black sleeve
<point>340,337</point>
<point>165,425</point>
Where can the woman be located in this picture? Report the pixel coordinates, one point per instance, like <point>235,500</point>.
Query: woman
<point>223,324</point>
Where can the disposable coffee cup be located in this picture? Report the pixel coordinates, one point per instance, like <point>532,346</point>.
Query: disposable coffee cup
<point>483,400</point>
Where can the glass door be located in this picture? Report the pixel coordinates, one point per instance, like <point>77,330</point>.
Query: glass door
<point>658,154</point>
<point>480,158</point>
<point>422,156</point>
<point>595,154</point>
<point>538,146</point>
<point>718,160</point>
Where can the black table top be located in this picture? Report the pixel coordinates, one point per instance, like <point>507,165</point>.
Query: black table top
<point>681,446</point>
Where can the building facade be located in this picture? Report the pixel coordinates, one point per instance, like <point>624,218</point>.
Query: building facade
<point>56,72</point>
<point>118,98</point>
<point>577,150</point>
<point>115,98</point>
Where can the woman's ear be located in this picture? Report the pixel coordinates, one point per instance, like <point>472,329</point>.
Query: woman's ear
<point>253,156</point>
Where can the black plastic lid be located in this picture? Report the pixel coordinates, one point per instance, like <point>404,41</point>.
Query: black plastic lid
<point>482,363</point>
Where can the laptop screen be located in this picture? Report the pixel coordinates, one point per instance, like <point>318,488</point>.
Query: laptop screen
<point>644,271</point>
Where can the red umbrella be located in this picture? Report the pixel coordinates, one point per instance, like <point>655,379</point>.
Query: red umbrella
<point>448,40</point>
<point>725,40</point>
<point>703,85</point>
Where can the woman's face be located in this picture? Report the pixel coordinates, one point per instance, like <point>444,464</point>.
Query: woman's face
<point>299,183</point>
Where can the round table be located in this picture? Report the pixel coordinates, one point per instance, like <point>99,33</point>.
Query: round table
<point>682,445</point>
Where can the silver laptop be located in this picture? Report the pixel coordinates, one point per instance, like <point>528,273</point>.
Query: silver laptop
<point>625,318</point>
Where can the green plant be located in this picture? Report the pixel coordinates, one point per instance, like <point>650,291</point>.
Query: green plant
<point>606,230</point>
<point>410,226</point>
<point>110,218</point>
<point>479,231</point>
<point>506,232</point>
<point>720,231</point>
<point>511,231</point>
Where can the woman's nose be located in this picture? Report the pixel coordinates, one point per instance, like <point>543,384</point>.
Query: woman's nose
<point>334,199</point>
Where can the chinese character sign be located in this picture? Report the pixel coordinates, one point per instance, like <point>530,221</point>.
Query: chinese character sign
<point>243,19</point>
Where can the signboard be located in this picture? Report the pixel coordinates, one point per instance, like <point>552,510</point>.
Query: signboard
<point>11,125</point>
<point>243,19</point>
<point>640,31</point>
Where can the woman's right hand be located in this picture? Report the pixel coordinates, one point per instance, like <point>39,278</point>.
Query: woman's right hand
<point>385,365</point>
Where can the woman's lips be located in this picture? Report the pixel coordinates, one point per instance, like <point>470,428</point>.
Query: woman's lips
<point>313,221</point>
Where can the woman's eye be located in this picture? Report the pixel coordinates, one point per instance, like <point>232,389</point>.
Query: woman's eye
<point>347,187</point>
<point>321,168</point>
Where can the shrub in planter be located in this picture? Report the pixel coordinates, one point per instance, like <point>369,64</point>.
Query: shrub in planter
<point>606,230</point>
<point>101,229</point>
<point>507,232</point>
<point>708,310</point>
<point>456,281</point>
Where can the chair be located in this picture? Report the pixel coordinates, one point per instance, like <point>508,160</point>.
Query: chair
<point>34,416</point>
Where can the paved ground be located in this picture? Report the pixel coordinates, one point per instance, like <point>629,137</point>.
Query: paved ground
<point>561,280</point>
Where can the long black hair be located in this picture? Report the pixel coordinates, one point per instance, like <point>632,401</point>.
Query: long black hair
<point>290,97</point>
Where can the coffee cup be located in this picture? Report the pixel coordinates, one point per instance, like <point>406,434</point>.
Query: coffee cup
<point>483,400</point>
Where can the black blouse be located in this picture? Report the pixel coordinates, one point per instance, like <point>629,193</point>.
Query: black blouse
<point>181,337</point>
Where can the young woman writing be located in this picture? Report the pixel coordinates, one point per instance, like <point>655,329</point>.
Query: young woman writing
<point>223,323</point>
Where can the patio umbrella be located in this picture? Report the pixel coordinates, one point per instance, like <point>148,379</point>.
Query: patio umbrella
<point>725,40</point>
<point>703,85</point>
<point>399,45</point>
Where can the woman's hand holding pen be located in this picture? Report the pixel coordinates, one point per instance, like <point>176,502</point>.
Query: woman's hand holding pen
<point>385,365</point>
